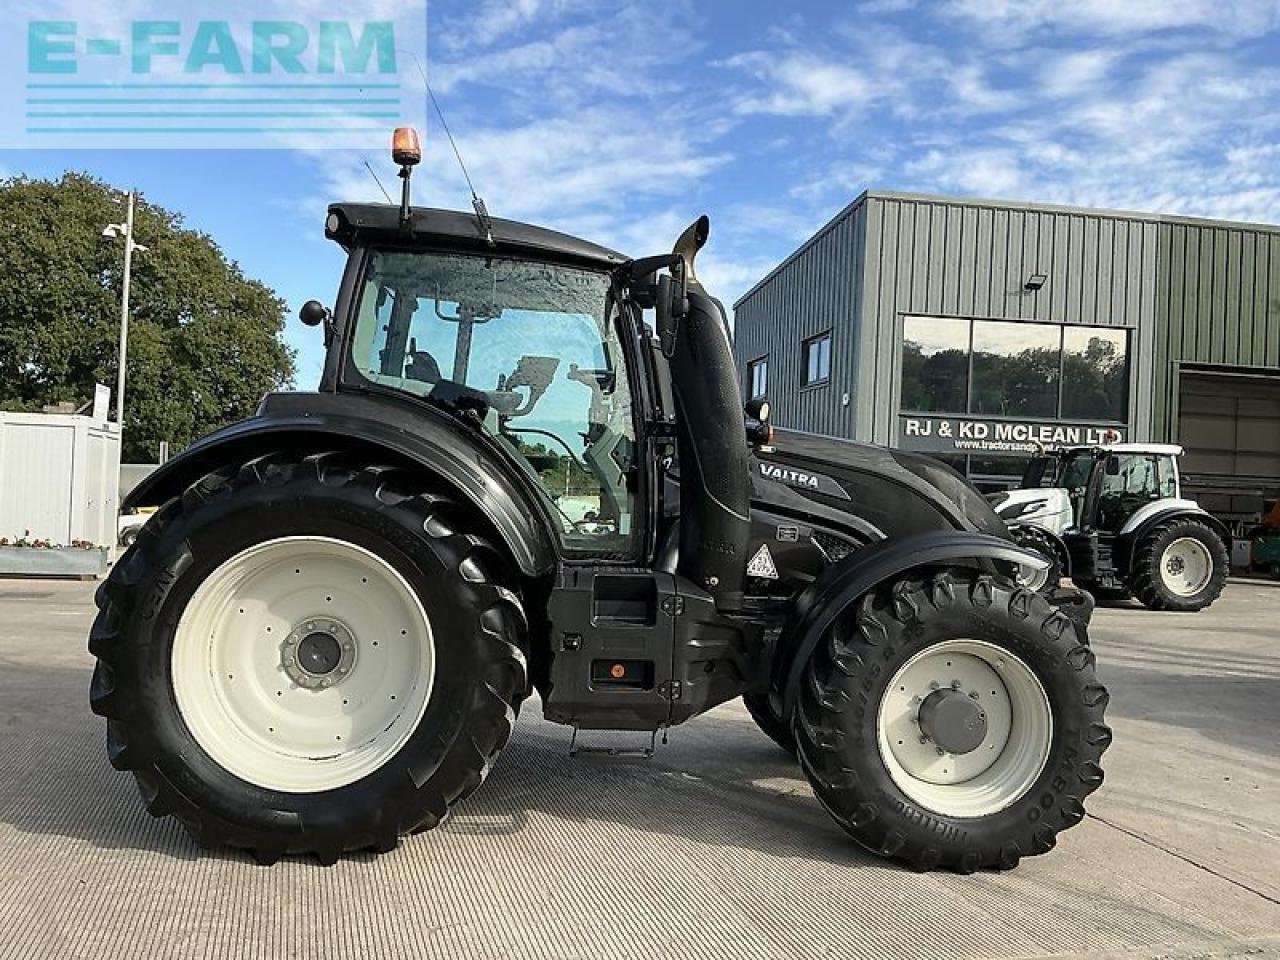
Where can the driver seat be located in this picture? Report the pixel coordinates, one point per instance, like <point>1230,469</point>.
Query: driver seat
<point>422,366</point>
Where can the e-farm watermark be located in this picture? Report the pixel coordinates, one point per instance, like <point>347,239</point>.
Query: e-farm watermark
<point>271,73</point>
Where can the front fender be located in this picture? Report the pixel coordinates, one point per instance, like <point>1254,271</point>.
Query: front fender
<point>843,583</point>
<point>372,428</point>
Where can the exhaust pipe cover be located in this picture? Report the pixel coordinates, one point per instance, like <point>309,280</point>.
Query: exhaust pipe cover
<point>715,479</point>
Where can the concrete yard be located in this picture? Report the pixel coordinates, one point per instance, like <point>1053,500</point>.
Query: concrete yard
<point>715,848</point>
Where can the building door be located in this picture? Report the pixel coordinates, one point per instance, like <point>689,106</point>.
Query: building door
<point>1229,425</point>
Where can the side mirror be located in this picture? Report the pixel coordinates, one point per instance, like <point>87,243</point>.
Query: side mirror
<point>313,313</point>
<point>759,425</point>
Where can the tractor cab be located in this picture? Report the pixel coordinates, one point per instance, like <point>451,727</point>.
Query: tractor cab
<point>1102,485</point>
<point>528,350</point>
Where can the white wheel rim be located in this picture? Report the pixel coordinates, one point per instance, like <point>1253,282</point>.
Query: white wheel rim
<point>1013,752</point>
<point>243,690</point>
<point>1186,567</point>
<point>1032,578</point>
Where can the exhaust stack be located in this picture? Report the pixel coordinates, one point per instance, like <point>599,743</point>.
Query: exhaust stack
<point>715,479</point>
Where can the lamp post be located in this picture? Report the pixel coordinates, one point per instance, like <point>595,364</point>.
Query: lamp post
<point>113,231</point>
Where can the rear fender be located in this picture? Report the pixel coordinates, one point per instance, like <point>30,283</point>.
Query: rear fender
<point>1153,514</point>
<point>1160,510</point>
<point>843,583</point>
<point>475,473</point>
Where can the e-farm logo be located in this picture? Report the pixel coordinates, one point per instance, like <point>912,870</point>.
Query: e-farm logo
<point>290,73</point>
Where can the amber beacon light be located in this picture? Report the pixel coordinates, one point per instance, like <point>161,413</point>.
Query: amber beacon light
<point>405,148</point>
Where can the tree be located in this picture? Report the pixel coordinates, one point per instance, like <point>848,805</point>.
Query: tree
<point>204,340</point>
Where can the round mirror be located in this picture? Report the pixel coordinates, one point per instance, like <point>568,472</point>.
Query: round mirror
<point>313,313</point>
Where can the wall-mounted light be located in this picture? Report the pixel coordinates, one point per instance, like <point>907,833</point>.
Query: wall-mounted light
<point>1036,281</point>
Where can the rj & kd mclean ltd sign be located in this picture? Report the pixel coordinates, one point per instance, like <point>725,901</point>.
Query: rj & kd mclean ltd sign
<point>969,435</point>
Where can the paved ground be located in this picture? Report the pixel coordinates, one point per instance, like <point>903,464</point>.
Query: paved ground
<point>713,849</point>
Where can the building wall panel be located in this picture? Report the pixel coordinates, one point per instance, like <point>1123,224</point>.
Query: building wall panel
<point>1219,305</point>
<point>1197,292</point>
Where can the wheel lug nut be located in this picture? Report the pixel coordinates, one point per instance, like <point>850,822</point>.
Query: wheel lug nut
<point>941,752</point>
<point>973,694</point>
<point>955,684</point>
<point>923,738</point>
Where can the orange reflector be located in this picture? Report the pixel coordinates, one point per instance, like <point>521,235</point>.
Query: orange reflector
<point>617,671</point>
<point>405,149</point>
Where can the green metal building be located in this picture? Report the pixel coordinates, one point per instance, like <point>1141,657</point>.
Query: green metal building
<point>973,329</point>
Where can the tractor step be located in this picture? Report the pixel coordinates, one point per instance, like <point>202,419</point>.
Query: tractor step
<point>644,753</point>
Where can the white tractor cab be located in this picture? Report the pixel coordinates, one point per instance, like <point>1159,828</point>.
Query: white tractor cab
<point>1113,518</point>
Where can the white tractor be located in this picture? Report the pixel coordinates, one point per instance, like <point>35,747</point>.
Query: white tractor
<point>1113,518</point>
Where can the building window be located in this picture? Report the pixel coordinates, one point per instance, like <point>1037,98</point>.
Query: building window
<point>758,377</point>
<point>1095,373</point>
<point>935,365</point>
<point>1015,369</point>
<point>817,359</point>
<point>1002,368</point>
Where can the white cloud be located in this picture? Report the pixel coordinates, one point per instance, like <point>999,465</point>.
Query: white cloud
<point>872,8</point>
<point>1075,73</point>
<point>1004,18</point>
<point>800,84</point>
<point>969,83</point>
<point>989,172</point>
<point>494,20</point>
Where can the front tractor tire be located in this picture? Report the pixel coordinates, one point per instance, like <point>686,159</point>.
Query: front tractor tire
<point>301,656</point>
<point>952,721</point>
<point>1181,565</point>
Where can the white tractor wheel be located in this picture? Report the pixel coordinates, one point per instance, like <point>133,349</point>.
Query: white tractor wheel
<point>303,663</point>
<point>1180,564</point>
<point>952,720</point>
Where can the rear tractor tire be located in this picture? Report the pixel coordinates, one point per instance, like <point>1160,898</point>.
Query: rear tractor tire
<point>303,657</point>
<point>1180,565</point>
<point>772,725</point>
<point>952,721</point>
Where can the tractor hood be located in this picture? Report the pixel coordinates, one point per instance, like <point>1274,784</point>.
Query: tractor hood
<point>868,489</point>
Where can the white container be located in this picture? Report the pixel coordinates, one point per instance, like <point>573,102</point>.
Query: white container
<point>59,478</point>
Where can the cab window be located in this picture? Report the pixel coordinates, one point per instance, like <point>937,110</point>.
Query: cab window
<point>531,345</point>
<point>1129,480</point>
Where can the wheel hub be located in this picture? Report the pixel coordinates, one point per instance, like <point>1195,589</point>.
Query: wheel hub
<point>318,653</point>
<point>954,721</point>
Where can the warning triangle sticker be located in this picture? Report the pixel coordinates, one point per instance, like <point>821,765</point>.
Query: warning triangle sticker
<point>761,564</point>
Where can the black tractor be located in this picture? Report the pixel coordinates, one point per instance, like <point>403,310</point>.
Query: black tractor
<point>529,467</point>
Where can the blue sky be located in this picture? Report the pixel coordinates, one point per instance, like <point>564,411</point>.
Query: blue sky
<point>622,121</point>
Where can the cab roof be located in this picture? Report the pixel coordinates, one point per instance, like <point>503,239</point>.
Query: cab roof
<point>1158,449</point>
<point>356,224</point>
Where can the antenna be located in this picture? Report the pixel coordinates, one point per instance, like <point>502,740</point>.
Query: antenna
<point>377,181</point>
<point>482,212</point>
